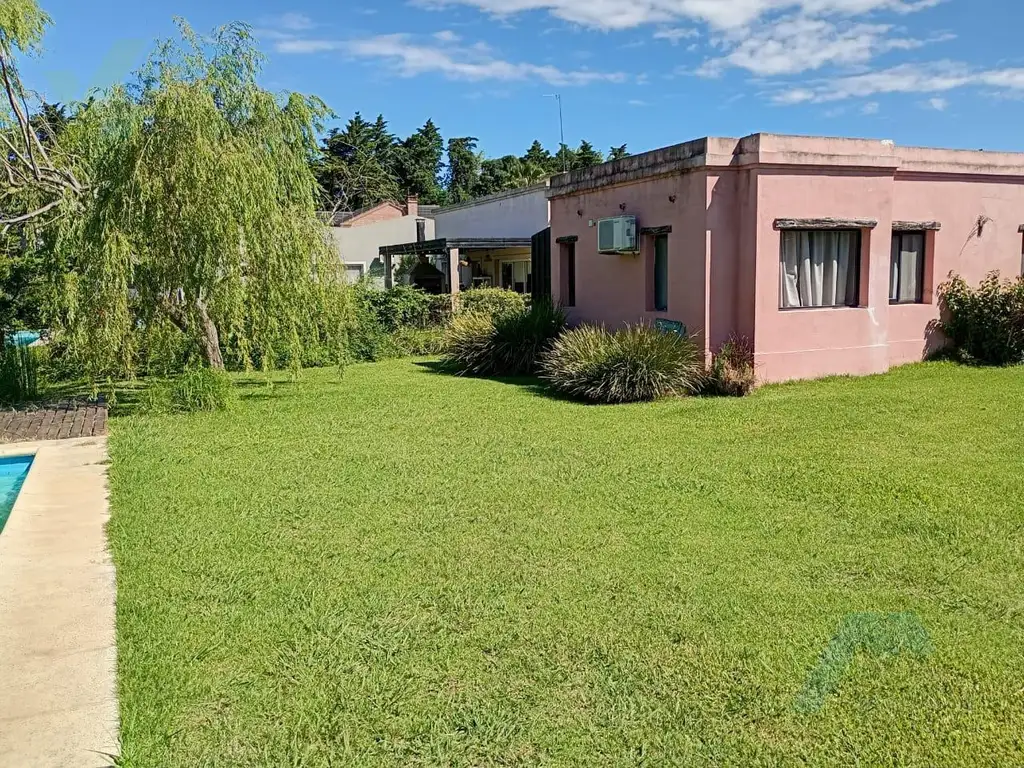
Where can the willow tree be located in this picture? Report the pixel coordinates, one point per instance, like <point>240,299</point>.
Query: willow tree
<point>35,179</point>
<point>201,214</point>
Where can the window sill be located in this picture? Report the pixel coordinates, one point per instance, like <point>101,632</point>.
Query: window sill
<point>907,303</point>
<point>839,307</point>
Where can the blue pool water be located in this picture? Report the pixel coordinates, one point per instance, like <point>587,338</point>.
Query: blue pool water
<point>13,470</point>
<point>23,338</point>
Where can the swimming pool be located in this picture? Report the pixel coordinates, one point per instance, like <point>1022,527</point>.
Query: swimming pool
<point>13,470</point>
<point>23,338</point>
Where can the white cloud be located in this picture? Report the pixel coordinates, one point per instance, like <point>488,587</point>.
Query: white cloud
<point>477,62</point>
<point>289,22</point>
<point>938,103</point>
<point>675,34</point>
<point>764,37</point>
<point>799,44</point>
<point>871,108</point>
<point>794,96</point>
<point>302,45</point>
<point>446,36</point>
<point>934,77</point>
<point>638,103</point>
<point>719,14</point>
<point>1004,78</point>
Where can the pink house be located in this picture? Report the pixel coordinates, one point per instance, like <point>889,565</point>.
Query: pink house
<point>826,253</point>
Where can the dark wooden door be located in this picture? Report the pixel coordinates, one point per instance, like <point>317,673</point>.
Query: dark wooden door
<point>540,248</point>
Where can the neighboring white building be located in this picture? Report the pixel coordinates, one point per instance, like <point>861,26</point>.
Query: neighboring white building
<point>514,216</point>
<point>359,235</point>
<point>486,241</point>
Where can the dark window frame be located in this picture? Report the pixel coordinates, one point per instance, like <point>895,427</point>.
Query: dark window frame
<point>654,274</point>
<point>1021,230</point>
<point>921,272</point>
<point>569,255</point>
<point>858,266</point>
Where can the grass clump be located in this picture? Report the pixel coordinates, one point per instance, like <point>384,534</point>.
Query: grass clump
<point>507,344</point>
<point>468,344</point>
<point>732,370</point>
<point>635,364</point>
<point>20,373</point>
<point>197,390</point>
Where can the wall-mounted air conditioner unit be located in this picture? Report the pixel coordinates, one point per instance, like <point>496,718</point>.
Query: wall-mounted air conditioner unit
<point>617,235</point>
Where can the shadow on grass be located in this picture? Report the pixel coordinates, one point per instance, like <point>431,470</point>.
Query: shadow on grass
<point>538,388</point>
<point>133,398</point>
<point>530,384</point>
<point>258,388</point>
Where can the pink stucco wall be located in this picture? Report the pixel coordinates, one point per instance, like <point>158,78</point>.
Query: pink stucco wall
<point>803,343</point>
<point>614,289</point>
<point>724,248</point>
<point>957,202</point>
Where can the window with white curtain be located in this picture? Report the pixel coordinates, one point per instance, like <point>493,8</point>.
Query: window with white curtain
<point>906,270</point>
<point>820,268</point>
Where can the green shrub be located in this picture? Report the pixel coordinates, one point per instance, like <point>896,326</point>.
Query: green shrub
<point>637,363</point>
<point>414,342</point>
<point>20,373</point>
<point>368,341</point>
<point>401,306</point>
<point>984,324</point>
<point>507,344</point>
<point>195,390</point>
<point>491,301</point>
<point>732,370</point>
<point>396,322</point>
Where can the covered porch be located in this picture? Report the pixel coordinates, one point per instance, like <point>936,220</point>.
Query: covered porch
<point>451,265</point>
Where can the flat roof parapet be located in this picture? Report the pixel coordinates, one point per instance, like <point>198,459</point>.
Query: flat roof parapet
<point>782,150</point>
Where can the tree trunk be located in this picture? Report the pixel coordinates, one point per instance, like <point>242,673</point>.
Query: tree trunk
<point>210,338</point>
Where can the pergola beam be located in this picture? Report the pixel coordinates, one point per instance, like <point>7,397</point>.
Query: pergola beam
<point>423,248</point>
<point>441,246</point>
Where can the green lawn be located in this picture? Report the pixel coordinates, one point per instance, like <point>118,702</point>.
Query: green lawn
<point>401,568</point>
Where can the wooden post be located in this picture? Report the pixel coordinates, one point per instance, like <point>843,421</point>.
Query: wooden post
<point>389,275</point>
<point>453,277</point>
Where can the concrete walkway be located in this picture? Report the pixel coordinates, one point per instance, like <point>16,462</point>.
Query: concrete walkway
<point>58,695</point>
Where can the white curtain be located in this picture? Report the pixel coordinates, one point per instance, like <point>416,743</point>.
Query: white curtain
<point>819,268</point>
<point>906,267</point>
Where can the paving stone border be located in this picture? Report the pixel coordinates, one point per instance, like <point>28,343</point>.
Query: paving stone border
<point>53,422</point>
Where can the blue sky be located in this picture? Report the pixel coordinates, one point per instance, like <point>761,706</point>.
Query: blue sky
<point>645,72</point>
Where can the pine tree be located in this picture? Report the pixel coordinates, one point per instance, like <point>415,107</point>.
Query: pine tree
<point>421,157</point>
<point>587,156</point>
<point>384,145</point>
<point>356,167</point>
<point>564,160</point>
<point>538,157</point>
<point>462,176</point>
<point>617,153</point>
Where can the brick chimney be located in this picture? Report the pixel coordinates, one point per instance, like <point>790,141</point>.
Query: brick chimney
<point>412,206</point>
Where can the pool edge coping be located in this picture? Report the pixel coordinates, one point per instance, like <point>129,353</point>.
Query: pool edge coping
<point>59,522</point>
